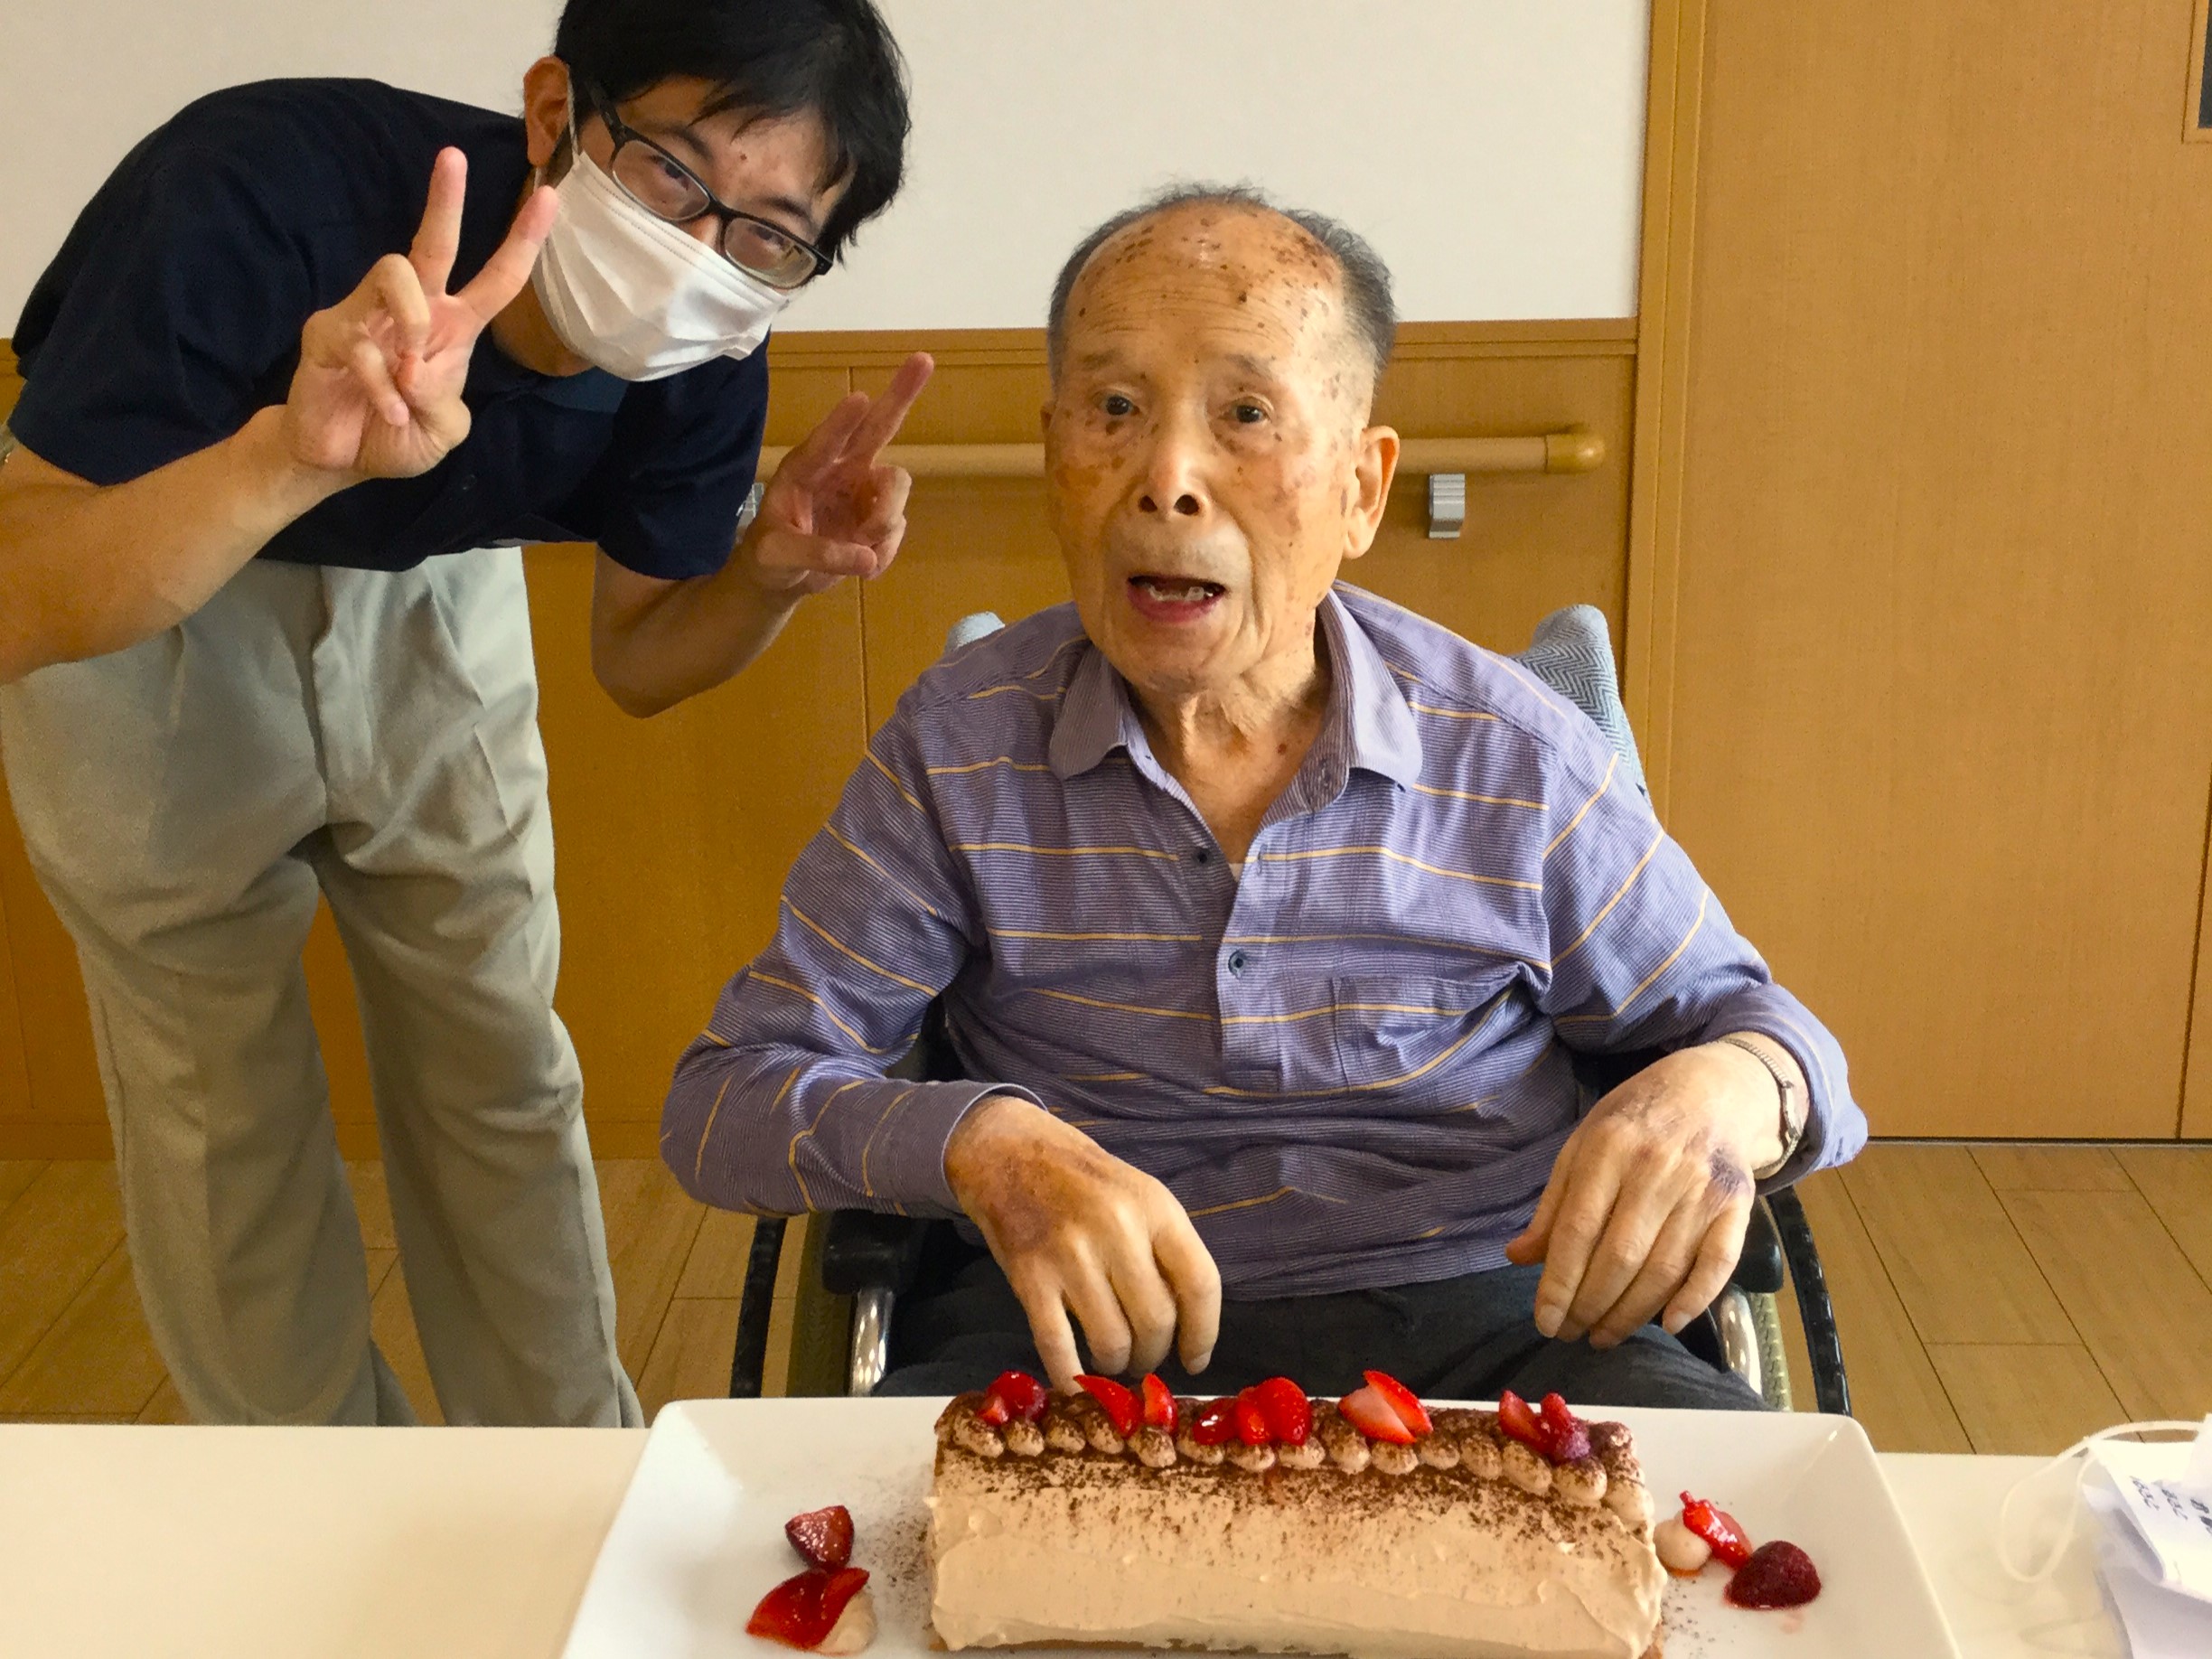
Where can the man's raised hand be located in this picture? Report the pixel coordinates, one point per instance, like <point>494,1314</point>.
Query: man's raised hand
<point>378,390</point>
<point>833,509</point>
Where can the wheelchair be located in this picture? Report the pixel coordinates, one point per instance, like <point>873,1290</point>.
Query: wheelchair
<point>854,1264</point>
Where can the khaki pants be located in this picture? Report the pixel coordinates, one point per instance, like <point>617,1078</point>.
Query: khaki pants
<point>372,737</point>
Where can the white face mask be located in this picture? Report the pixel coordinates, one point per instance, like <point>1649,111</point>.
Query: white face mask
<point>634,295</point>
<point>2088,1443</point>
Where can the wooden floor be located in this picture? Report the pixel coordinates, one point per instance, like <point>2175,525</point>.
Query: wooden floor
<point>1994,1299</point>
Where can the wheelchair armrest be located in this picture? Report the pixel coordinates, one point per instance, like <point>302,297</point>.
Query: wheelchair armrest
<point>1759,1269</point>
<point>863,1251</point>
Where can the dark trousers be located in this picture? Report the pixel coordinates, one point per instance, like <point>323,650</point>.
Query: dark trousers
<point>1462,1338</point>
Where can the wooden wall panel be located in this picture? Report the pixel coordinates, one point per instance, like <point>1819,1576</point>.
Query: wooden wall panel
<point>1533,542</point>
<point>1942,728</point>
<point>672,838</point>
<point>2197,1079</point>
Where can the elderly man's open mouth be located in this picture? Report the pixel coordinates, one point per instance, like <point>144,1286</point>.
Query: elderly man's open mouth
<point>1162,597</point>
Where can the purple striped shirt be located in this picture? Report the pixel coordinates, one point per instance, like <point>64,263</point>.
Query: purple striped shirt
<point>1352,1064</point>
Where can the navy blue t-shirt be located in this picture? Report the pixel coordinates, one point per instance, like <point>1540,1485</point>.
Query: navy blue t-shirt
<point>174,312</point>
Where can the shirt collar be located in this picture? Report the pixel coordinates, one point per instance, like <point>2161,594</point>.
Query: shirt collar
<point>1365,706</point>
<point>493,374</point>
<point>1095,718</point>
<point>1365,695</point>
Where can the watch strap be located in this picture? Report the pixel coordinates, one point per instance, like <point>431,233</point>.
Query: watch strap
<point>1792,1120</point>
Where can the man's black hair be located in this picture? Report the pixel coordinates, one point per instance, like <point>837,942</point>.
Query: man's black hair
<point>1371,313</point>
<point>770,57</point>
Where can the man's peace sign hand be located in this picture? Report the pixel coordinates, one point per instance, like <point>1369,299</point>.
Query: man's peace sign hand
<point>378,390</point>
<point>833,509</point>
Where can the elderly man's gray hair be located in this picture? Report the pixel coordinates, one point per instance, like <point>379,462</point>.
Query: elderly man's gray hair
<point>1373,313</point>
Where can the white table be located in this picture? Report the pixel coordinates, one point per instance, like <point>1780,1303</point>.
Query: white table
<point>471,1543</point>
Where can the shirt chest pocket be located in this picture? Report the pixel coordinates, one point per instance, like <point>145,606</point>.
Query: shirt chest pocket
<point>1388,1030</point>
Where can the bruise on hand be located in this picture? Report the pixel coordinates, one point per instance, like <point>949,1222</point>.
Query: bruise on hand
<point>1659,1108</point>
<point>1032,1194</point>
<point>1728,1179</point>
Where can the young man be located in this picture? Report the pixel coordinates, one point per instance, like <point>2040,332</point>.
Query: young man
<point>263,636</point>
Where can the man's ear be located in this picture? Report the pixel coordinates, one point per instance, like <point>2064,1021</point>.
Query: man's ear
<point>1375,465</point>
<point>545,110</point>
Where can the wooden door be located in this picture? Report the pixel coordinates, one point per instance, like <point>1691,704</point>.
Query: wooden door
<point>1931,679</point>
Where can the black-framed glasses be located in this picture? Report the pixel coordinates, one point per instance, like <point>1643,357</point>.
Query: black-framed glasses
<point>667,188</point>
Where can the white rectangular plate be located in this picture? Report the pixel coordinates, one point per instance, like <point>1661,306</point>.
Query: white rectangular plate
<point>699,1537</point>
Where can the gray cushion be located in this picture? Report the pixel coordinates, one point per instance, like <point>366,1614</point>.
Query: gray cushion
<point>1572,652</point>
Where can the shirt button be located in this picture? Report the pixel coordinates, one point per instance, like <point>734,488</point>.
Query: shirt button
<point>1238,962</point>
<point>1205,854</point>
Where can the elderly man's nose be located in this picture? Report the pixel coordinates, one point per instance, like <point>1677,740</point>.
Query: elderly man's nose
<point>1171,481</point>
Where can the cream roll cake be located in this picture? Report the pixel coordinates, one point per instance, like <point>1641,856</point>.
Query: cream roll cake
<point>1369,1526</point>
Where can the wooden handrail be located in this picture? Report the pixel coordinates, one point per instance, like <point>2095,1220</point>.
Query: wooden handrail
<point>1576,449</point>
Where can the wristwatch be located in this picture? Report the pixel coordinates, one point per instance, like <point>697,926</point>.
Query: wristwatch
<point>1793,1119</point>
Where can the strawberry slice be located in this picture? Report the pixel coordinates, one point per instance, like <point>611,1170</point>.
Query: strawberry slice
<point>1402,1400</point>
<point>1289,1413</point>
<point>1251,1417</point>
<point>1369,1410</point>
<point>1215,1424</point>
<point>1159,1405</point>
<point>1121,1408</point>
<point>1717,1528</point>
<point>993,1410</point>
<point>1566,1436</point>
<point>824,1536</point>
<point>1025,1396</point>
<point>802,1609</point>
<point>1517,1419</point>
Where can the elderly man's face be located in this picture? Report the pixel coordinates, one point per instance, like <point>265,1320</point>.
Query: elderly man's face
<point>1208,466</point>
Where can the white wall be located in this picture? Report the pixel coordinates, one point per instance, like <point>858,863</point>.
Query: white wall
<point>87,78</point>
<point>1491,149</point>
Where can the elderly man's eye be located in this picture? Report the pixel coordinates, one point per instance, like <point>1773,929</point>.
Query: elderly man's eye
<point>1249,414</point>
<point>1116,406</point>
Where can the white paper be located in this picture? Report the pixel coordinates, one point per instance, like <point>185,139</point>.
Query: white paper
<point>2198,1476</point>
<point>2162,1495</point>
<point>2159,1623</point>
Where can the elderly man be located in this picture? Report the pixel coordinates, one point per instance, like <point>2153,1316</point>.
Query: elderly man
<point>1270,921</point>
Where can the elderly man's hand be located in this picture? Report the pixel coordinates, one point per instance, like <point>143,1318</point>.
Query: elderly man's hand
<point>1078,1230</point>
<point>1649,1198</point>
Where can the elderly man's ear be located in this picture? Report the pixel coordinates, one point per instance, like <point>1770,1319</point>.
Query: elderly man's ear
<point>1374,468</point>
